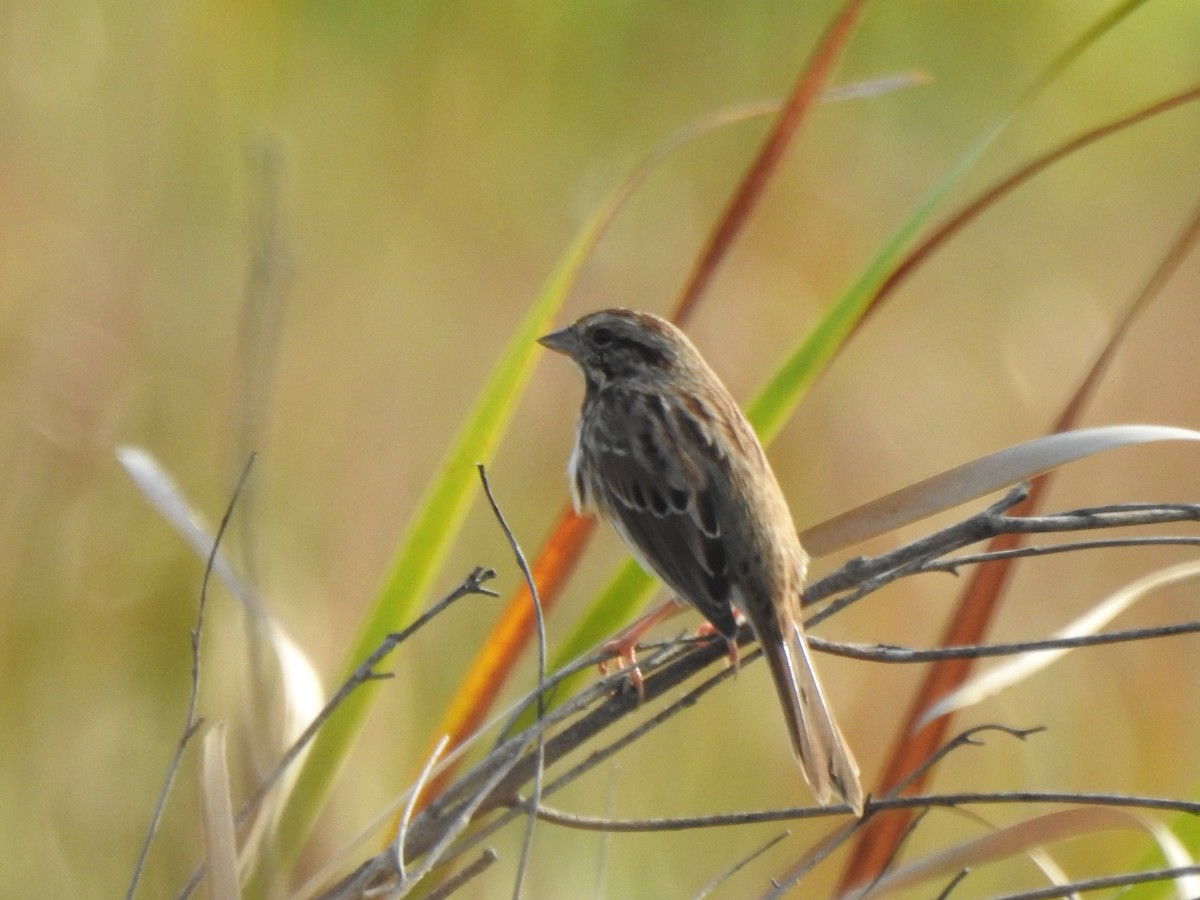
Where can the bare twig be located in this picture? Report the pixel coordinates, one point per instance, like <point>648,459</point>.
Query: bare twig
<point>865,575</point>
<point>461,877</point>
<point>953,564</point>
<point>1108,881</point>
<point>862,576</point>
<point>953,884</point>
<point>914,801</point>
<point>801,869</point>
<point>191,723</point>
<point>962,739</point>
<point>894,654</point>
<point>461,819</point>
<point>472,584</point>
<point>539,749</point>
<point>739,865</point>
<point>910,828</point>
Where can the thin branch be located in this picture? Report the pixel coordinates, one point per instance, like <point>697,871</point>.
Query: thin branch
<point>862,575</point>
<point>539,750</point>
<point>461,820</point>
<point>191,723</point>
<point>378,875</point>
<point>809,862</point>
<point>953,564</point>
<point>910,828</point>
<point>461,877</point>
<point>968,738</point>
<point>891,654</point>
<point>472,584</point>
<point>862,572</point>
<point>1107,881</point>
<point>615,707</point>
<point>739,865</point>
<point>953,884</point>
<point>579,822</point>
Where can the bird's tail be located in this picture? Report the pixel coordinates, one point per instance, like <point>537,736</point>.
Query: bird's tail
<point>824,756</point>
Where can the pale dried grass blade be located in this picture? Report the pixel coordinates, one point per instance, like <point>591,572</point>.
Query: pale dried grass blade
<point>164,494</point>
<point>414,795</point>
<point>993,681</point>
<point>974,479</point>
<point>220,834</point>
<point>300,685</point>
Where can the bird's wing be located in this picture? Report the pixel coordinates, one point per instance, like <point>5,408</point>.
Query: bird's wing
<point>651,479</point>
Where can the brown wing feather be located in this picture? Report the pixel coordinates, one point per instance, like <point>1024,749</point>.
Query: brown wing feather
<point>664,507</point>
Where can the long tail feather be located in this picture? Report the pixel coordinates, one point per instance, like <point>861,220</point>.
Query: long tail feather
<point>824,755</point>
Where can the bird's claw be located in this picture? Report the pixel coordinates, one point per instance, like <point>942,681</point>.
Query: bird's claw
<point>624,650</point>
<point>732,651</point>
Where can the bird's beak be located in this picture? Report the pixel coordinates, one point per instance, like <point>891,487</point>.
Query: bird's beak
<point>564,341</point>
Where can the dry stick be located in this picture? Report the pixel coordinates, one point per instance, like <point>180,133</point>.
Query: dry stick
<point>866,575</point>
<point>428,827</point>
<point>577,734</point>
<point>893,654</point>
<point>952,566</point>
<point>472,584</point>
<point>378,875</point>
<point>861,570</point>
<point>616,682</point>
<point>459,823</point>
<point>954,882</point>
<point>1095,884</point>
<point>462,876</point>
<point>739,865</point>
<point>191,723</point>
<point>539,750</point>
<point>1107,516</point>
<point>674,672</point>
<point>381,870</point>
<point>913,801</point>
<point>807,864</point>
<point>1115,517</point>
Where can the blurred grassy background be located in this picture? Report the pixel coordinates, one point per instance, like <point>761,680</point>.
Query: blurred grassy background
<point>435,159</point>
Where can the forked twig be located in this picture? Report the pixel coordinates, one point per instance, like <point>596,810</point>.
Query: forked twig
<point>366,671</point>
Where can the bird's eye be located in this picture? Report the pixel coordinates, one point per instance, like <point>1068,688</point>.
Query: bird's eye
<point>602,337</point>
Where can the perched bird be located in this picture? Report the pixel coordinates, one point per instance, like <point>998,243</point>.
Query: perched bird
<point>663,453</point>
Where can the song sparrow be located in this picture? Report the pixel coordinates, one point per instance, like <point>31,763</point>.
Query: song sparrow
<point>664,454</point>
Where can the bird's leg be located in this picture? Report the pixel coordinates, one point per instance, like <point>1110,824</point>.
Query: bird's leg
<point>624,645</point>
